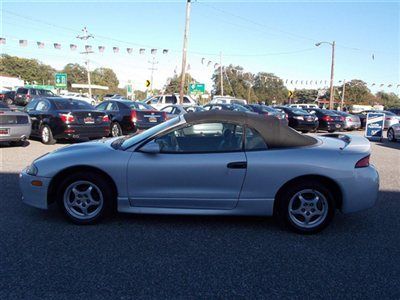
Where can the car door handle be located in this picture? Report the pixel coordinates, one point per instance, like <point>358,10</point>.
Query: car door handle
<point>237,165</point>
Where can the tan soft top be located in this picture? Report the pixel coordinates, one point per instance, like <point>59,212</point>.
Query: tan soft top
<point>275,134</point>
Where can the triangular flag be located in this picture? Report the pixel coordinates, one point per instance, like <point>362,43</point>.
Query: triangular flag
<point>57,46</point>
<point>40,45</point>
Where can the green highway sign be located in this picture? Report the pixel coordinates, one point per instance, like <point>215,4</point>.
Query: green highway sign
<point>197,88</point>
<point>60,80</point>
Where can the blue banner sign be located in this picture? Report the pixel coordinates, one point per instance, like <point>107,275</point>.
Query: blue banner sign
<point>374,126</point>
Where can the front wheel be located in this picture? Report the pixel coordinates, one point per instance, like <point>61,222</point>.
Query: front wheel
<point>306,207</point>
<point>390,135</point>
<point>85,198</point>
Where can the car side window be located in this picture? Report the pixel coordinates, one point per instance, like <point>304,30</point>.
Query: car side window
<point>254,140</point>
<point>170,99</point>
<point>112,106</point>
<point>207,107</point>
<point>154,100</point>
<point>43,106</point>
<point>102,106</point>
<point>168,109</point>
<point>203,138</point>
<point>31,106</point>
<point>186,100</point>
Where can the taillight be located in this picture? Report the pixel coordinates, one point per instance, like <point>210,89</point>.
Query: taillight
<point>362,163</point>
<point>67,118</point>
<point>164,115</point>
<point>133,116</point>
<point>342,119</point>
<point>327,118</point>
<point>106,119</point>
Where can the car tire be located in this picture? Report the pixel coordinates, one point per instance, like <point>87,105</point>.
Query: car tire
<point>390,135</point>
<point>306,206</point>
<point>115,130</point>
<point>85,198</point>
<point>46,135</point>
<point>17,143</point>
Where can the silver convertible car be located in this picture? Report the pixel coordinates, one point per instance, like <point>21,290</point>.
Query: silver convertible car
<point>209,163</point>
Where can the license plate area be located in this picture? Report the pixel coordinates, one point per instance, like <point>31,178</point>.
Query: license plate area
<point>4,131</point>
<point>337,125</point>
<point>88,120</point>
<point>152,119</point>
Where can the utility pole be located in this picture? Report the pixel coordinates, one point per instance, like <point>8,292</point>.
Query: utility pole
<point>85,37</point>
<point>184,51</point>
<point>343,91</point>
<point>222,77</point>
<point>153,63</point>
<point>332,96</point>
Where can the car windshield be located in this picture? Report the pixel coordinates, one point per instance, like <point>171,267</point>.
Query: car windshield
<point>138,105</point>
<point>63,104</point>
<point>129,141</point>
<point>329,112</point>
<point>299,111</point>
<point>193,108</point>
<point>45,93</point>
<point>3,106</point>
<point>237,107</point>
<point>265,108</point>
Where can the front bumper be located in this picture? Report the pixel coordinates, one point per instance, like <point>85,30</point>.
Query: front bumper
<point>34,195</point>
<point>362,192</point>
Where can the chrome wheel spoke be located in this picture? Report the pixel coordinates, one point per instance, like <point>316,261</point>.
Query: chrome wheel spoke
<point>80,196</point>
<point>312,209</point>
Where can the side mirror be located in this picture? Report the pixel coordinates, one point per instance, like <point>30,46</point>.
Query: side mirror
<point>150,148</point>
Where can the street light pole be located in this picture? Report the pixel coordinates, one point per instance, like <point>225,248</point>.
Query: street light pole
<point>85,37</point>
<point>331,98</point>
<point>184,51</point>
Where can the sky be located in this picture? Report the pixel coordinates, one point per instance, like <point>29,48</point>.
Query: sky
<point>260,36</point>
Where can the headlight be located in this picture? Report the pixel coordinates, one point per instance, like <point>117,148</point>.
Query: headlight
<point>32,170</point>
<point>298,118</point>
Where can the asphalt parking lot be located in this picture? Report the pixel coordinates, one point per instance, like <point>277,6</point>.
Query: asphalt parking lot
<point>151,256</point>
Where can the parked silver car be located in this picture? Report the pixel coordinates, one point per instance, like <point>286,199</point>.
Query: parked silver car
<point>175,110</point>
<point>352,122</point>
<point>15,126</point>
<point>252,165</point>
<point>393,133</point>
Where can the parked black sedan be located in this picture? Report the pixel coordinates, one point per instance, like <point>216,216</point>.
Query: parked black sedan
<point>61,118</point>
<point>129,116</point>
<point>225,106</point>
<point>300,119</point>
<point>329,120</point>
<point>265,110</point>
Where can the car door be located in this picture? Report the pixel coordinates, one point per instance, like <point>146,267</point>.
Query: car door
<point>193,170</point>
<point>30,110</point>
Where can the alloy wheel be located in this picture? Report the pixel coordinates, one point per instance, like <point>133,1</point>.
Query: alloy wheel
<point>83,200</point>
<point>308,208</point>
<point>115,130</point>
<point>45,134</point>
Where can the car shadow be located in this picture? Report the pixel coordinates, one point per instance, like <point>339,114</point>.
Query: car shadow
<point>386,143</point>
<point>9,145</point>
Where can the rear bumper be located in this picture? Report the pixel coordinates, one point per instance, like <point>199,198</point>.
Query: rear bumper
<point>362,192</point>
<point>331,126</point>
<point>84,131</point>
<point>352,125</point>
<point>17,132</point>
<point>33,195</point>
<point>302,125</point>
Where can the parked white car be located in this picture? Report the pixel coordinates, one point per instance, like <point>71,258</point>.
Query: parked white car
<point>161,101</point>
<point>227,100</point>
<point>78,96</point>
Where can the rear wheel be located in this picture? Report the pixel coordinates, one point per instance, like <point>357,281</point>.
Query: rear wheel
<point>306,207</point>
<point>116,129</point>
<point>47,136</point>
<point>390,135</point>
<point>85,198</point>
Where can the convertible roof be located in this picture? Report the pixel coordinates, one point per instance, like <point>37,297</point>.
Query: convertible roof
<point>275,134</point>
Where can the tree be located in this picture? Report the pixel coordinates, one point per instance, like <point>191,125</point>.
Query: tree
<point>268,87</point>
<point>357,92</point>
<point>173,84</point>
<point>30,70</point>
<point>236,83</point>
<point>306,95</point>
<point>389,100</point>
<point>106,77</point>
<point>75,74</point>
